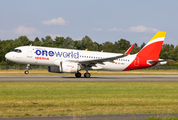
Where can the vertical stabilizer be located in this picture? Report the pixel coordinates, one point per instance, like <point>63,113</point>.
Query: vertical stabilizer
<point>153,48</point>
<point>149,54</point>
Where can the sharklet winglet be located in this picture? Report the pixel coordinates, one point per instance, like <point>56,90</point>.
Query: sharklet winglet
<point>129,50</point>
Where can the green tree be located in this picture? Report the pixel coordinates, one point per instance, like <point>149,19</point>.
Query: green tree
<point>5,47</point>
<point>76,44</point>
<point>68,43</point>
<point>59,41</point>
<point>37,42</point>
<point>142,45</point>
<point>85,43</point>
<point>36,39</point>
<point>47,41</point>
<point>109,47</point>
<point>175,55</point>
<point>167,51</point>
<point>135,49</point>
<point>21,41</point>
<point>122,45</point>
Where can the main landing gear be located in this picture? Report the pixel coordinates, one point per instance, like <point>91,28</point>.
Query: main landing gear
<point>78,75</point>
<point>26,72</point>
<point>86,75</point>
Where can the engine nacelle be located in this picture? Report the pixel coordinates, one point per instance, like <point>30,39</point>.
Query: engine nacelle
<point>69,67</point>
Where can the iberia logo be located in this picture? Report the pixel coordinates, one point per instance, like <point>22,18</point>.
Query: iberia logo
<point>70,66</point>
<point>41,58</point>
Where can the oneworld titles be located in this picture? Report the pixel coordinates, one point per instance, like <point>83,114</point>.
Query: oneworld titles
<point>70,54</point>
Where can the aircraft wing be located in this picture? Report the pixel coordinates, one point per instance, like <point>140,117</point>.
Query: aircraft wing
<point>94,61</point>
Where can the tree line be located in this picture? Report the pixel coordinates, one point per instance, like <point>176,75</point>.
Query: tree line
<point>168,51</point>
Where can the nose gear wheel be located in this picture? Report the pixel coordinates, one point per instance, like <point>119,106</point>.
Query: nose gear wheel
<point>26,72</point>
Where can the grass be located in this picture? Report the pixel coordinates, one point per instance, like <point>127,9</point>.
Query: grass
<point>20,99</point>
<point>43,72</point>
<point>159,118</point>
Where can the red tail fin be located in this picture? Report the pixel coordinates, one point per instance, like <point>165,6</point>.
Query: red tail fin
<point>153,48</point>
<point>150,52</point>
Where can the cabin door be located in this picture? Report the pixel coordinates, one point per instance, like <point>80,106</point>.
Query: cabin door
<point>29,52</point>
<point>136,62</point>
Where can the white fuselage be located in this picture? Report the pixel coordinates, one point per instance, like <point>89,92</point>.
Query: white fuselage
<point>47,56</point>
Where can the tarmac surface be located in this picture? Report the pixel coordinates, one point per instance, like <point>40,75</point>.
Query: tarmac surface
<point>97,117</point>
<point>97,78</point>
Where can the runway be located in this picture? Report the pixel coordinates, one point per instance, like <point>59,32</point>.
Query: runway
<point>96,117</point>
<point>96,78</point>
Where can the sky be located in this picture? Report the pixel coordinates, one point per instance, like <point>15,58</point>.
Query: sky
<point>102,20</point>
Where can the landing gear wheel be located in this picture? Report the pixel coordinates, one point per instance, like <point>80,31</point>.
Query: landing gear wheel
<point>87,75</point>
<point>77,75</point>
<point>26,72</point>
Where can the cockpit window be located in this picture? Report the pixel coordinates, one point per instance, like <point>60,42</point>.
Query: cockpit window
<point>17,50</point>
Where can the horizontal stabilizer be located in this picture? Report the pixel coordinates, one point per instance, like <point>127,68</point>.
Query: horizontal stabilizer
<point>157,61</point>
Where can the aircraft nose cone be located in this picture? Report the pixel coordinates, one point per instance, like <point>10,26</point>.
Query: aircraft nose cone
<point>8,56</point>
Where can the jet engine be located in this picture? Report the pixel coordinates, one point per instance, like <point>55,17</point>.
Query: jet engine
<point>69,67</point>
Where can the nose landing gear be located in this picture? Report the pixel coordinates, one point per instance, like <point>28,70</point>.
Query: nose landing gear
<point>26,72</point>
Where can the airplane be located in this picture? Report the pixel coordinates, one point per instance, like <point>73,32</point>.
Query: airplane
<point>61,60</point>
